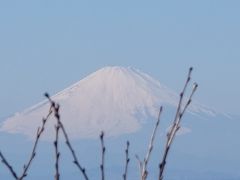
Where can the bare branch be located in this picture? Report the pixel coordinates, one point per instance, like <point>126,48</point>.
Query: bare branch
<point>103,155</point>
<point>195,86</point>
<point>140,164</point>
<point>181,99</point>
<point>127,161</point>
<point>176,123</point>
<point>5,162</point>
<point>57,153</point>
<point>150,147</point>
<point>38,135</point>
<point>75,159</point>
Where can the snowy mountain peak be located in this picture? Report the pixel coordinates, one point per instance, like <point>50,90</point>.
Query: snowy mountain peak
<point>113,99</point>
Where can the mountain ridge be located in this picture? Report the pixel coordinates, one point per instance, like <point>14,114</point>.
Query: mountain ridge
<point>114,99</point>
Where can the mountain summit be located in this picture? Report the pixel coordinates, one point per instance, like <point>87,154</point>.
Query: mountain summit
<point>113,99</point>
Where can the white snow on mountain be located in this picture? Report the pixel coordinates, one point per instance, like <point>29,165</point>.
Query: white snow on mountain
<point>113,99</point>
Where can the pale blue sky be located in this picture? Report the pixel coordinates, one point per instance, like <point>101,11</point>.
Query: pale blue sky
<point>47,45</point>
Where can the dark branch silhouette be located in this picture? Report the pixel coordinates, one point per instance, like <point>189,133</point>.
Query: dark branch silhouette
<point>5,162</point>
<point>57,153</point>
<point>75,159</point>
<point>33,154</point>
<point>126,162</point>
<point>103,155</point>
<point>176,123</point>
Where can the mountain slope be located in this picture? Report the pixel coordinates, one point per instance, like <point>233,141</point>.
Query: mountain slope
<point>113,99</point>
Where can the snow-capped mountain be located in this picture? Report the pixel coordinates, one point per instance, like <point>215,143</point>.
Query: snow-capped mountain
<point>121,101</point>
<point>113,99</point>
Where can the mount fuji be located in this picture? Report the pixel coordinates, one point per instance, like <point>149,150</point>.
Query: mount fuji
<point>124,103</point>
<point>116,100</point>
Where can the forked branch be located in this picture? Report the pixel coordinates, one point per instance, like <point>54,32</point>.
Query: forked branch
<point>33,153</point>
<point>69,145</point>
<point>176,123</point>
<point>38,135</point>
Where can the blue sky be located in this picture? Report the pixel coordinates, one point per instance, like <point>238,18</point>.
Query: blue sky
<point>48,45</point>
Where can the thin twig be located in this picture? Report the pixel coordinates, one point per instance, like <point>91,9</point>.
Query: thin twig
<point>181,99</point>
<point>127,161</point>
<point>103,155</point>
<point>38,135</point>
<point>5,162</point>
<point>176,123</point>
<point>75,159</point>
<point>57,153</point>
<point>150,147</point>
<point>140,165</point>
<point>57,127</point>
<point>177,127</point>
<point>195,86</point>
